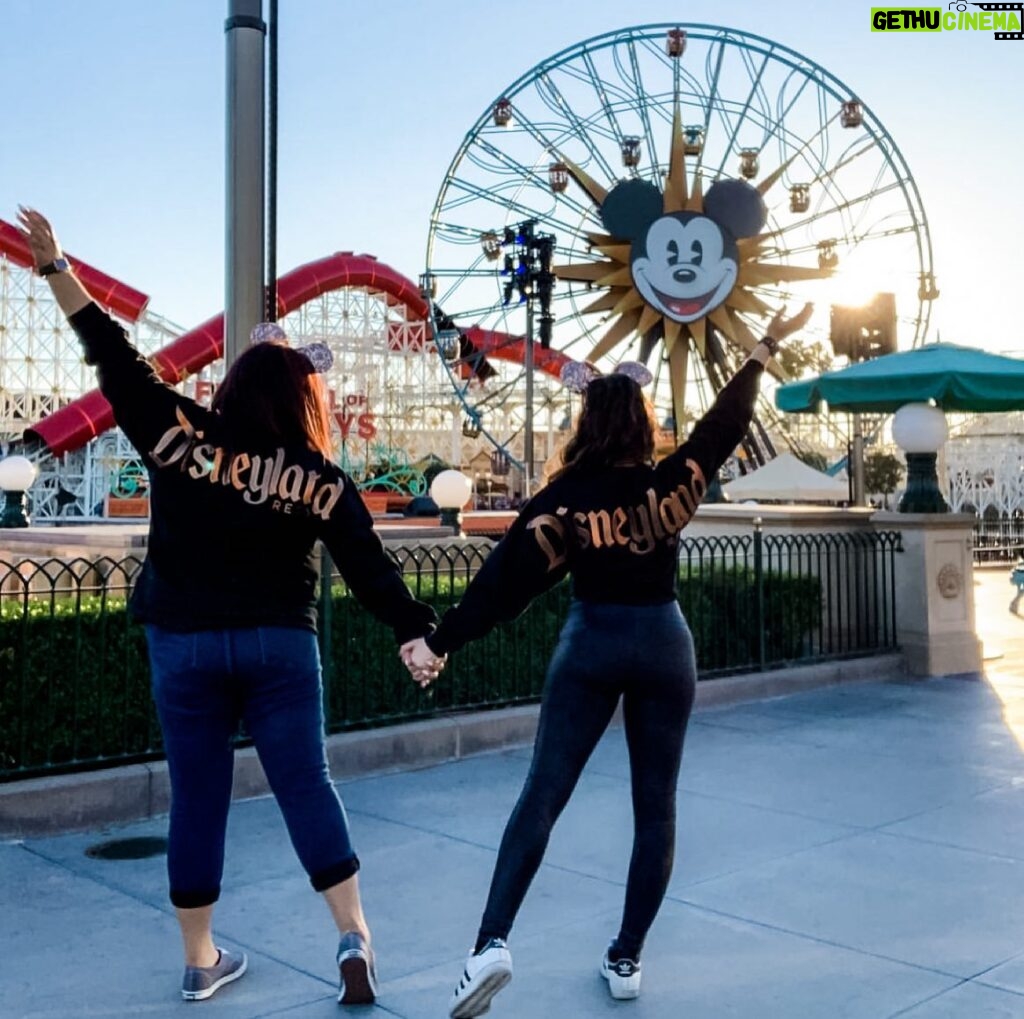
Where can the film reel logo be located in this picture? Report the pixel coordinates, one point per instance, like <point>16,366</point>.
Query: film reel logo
<point>1017,8</point>
<point>1003,20</point>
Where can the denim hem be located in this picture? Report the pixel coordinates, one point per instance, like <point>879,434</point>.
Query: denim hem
<point>331,876</point>
<point>194,900</point>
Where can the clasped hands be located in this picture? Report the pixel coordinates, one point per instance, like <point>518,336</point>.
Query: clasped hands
<point>423,665</point>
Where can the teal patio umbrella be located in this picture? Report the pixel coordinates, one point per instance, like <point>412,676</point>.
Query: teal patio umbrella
<point>954,377</point>
<point>917,385</point>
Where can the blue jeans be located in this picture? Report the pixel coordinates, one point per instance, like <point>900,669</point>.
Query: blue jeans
<point>204,683</point>
<point>644,655</point>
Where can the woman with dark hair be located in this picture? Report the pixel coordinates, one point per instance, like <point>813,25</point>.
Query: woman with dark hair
<point>611,518</point>
<point>239,495</point>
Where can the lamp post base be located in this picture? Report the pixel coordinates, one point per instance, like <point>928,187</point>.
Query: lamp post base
<point>15,510</point>
<point>452,518</point>
<point>922,494</point>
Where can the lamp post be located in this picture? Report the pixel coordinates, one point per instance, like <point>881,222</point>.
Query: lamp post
<point>16,476</point>
<point>244,32</point>
<point>451,490</point>
<point>527,271</point>
<point>919,429</point>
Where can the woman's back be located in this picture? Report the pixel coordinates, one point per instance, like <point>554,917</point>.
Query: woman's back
<point>233,529</point>
<point>614,528</point>
<point>237,507</point>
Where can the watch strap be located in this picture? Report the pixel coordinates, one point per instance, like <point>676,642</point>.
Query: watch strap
<point>58,265</point>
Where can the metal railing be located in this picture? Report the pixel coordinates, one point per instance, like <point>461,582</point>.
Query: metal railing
<point>74,674</point>
<point>998,541</point>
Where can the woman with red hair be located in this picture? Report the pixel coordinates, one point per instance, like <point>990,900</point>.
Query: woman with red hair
<point>239,495</point>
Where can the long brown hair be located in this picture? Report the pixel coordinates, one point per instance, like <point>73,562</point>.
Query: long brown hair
<point>271,396</point>
<point>616,426</point>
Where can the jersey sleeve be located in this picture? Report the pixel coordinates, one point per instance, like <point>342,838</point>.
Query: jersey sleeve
<point>370,573</point>
<point>718,432</point>
<point>530,559</point>
<point>146,408</point>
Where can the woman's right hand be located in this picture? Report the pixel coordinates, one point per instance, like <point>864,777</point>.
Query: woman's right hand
<point>40,236</point>
<point>780,327</point>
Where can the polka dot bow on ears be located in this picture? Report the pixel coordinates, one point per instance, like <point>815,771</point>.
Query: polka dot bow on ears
<point>318,354</point>
<point>577,375</point>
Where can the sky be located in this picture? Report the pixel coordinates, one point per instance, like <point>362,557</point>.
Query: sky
<point>114,127</point>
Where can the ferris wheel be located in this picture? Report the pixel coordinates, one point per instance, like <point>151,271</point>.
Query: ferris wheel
<point>656,161</point>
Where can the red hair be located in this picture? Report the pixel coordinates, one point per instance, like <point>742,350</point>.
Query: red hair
<point>271,396</point>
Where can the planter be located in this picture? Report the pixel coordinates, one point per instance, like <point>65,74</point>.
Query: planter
<point>376,502</point>
<point>135,506</point>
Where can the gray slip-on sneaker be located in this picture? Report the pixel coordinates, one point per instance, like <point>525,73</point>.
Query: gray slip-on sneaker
<point>357,971</point>
<point>202,982</point>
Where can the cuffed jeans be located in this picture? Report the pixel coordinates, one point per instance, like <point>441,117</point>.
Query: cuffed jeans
<point>204,683</point>
<point>643,653</point>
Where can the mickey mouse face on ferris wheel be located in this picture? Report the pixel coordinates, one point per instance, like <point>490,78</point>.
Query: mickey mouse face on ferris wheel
<point>684,264</point>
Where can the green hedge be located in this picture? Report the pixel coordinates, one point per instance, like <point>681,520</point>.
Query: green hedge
<point>74,676</point>
<point>74,683</point>
<point>721,606</point>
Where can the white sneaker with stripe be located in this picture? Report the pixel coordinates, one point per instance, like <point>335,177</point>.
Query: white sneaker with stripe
<point>486,973</point>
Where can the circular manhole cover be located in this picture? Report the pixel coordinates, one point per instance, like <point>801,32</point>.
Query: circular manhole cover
<point>128,849</point>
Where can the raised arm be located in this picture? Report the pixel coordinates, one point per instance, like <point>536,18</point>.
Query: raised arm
<point>144,405</point>
<point>722,428</point>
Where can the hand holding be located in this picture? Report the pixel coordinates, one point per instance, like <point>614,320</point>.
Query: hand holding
<point>40,236</point>
<point>423,665</point>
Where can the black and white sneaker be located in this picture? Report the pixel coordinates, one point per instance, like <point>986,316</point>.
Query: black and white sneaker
<point>486,973</point>
<point>623,978</point>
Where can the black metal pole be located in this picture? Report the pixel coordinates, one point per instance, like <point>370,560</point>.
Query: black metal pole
<point>270,312</point>
<point>528,427</point>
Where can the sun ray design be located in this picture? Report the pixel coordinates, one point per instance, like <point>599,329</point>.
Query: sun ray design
<point>620,329</point>
<point>675,184</point>
<point>678,362</point>
<point>698,334</point>
<point>673,332</point>
<point>632,315</point>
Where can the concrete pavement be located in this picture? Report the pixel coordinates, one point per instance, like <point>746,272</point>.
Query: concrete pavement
<point>854,852</point>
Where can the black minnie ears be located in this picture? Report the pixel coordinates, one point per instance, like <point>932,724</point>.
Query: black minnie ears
<point>633,205</point>
<point>318,354</point>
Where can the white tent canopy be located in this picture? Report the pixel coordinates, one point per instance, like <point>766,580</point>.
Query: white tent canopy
<point>788,479</point>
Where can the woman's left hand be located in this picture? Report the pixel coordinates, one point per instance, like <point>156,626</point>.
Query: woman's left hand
<point>40,236</point>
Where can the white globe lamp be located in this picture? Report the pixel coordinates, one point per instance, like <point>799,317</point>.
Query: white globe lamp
<point>919,429</point>
<point>451,490</point>
<point>16,476</point>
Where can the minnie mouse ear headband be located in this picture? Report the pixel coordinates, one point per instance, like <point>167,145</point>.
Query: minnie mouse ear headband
<point>318,354</point>
<point>577,375</point>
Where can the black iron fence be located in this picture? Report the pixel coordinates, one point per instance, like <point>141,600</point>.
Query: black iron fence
<point>74,677</point>
<point>998,541</point>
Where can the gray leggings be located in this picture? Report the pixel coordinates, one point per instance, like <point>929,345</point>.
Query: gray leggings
<point>643,653</point>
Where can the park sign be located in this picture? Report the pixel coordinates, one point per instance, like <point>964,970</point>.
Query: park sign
<point>1004,19</point>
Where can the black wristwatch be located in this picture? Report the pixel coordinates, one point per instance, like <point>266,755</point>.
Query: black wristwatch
<point>771,344</point>
<point>54,267</point>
